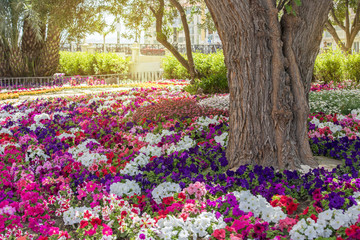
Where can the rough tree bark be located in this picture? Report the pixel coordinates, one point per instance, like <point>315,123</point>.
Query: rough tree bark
<point>270,63</point>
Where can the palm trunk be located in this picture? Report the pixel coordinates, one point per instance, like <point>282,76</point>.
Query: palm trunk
<point>50,56</point>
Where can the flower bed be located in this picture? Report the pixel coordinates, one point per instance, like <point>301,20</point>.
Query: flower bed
<point>14,94</point>
<point>125,166</point>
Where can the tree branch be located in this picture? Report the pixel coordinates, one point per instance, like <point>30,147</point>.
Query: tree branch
<point>330,28</point>
<point>161,37</point>
<point>340,24</point>
<point>185,24</point>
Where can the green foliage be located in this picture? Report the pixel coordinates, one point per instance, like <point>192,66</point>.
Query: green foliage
<point>81,63</point>
<point>352,67</point>
<point>329,66</point>
<point>211,67</point>
<point>109,63</point>
<point>336,66</point>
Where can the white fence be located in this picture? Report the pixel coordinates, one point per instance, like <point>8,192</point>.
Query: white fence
<point>29,82</point>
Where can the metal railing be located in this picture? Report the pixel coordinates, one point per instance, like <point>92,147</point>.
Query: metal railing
<point>36,82</point>
<point>146,49</point>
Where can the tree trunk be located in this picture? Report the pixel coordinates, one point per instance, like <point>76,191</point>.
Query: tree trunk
<point>31,46</point>
<point>50,56</point>
<point>270,64</point>
<point>4,63</point>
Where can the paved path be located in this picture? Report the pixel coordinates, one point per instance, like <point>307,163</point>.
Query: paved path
<point>325,162</point>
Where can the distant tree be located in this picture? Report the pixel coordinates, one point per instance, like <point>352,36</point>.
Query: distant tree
<point>103,28</point>
<point>346,15</point>
<point>142,14</point>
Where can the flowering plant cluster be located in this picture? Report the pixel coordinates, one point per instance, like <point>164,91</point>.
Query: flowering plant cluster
<point>88,167</point>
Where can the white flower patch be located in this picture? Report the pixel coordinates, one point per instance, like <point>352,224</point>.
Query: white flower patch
<point>150,151</point>
<point>129,188</point>
<point>131,169</point>
<point>222,139</point>
<point>327,220</point>
<point>6,131</point>
<point>66,135</point>
<point>81,147</point>
<point>219,102</point>
<point>88,159</point>
<point>333,127</point>
<point>3,146</point>
<point>206,121</point>
<point>172,227</point>
<point>75,130</point>
<point>259,206</point>
<point>184,144</point>
<point>34,153</point>
<point>333,101</point>
<point>74,215</point>
<point>82,154</point>
<point>40,117</point>
<point>166,189</point>
<point>156,138</point>
<point>61,114</point>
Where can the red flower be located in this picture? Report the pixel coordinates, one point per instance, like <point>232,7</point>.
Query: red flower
<point>87,214</point>
<point>135,211</point>
<point>123,214</point>
<point>182,196</point>
<point>230,229</point>
<point>112,169</point>
<point>306,211</point>
<point>168,200</point>
<point>274,203</point>
<point>95,221</point>
<point>83,224</point>
<point>292,207</point>
<point>313,217</point>
<point>219,234</point>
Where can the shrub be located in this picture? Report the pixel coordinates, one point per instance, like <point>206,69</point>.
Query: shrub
<point>83,63</point>
<point>175,109</point>
<point>210,66</point>
<point>352,67</point>
<point>329,66</point>
<point>110,63</point>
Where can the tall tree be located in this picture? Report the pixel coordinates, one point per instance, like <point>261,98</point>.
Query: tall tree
<point>346,15</point>
<point>270,54</point>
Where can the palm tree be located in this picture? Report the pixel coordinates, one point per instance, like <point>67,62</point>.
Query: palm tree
<point>13,13</point>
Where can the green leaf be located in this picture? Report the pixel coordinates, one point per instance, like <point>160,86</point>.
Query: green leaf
<point>289,9</point>
<point>298,3</point>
